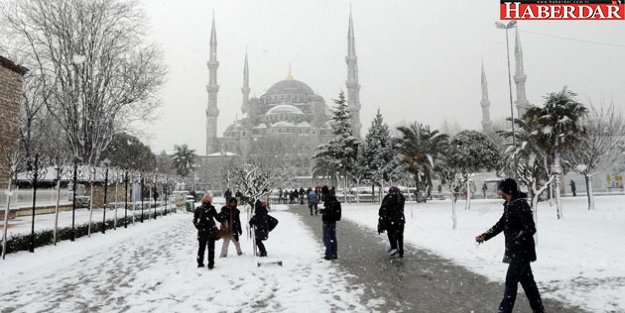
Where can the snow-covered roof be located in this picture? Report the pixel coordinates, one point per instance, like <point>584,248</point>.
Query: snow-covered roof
<point>284,109</point>
<point>220,154</point>
<point>261,125</point>
<point>282,124</point>
<point>303,124</point>
<point>290,86</point>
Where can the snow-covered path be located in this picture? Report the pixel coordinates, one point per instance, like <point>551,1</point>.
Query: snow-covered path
<point>151,268</point>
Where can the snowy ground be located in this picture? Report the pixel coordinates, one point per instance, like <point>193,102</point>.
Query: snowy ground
<point>580,258</point>
<point>151,268</point>
<point>22,224</point>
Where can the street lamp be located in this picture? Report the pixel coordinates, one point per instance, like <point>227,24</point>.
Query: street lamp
<point>154,193</point>
<point>142,186</point>
<point>106,163</point>
<point>509,25</point>
<point>126,199</point>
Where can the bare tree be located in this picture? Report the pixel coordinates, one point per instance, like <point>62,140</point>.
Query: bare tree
<point>32,114</point>
<point>13,159</point>
<point>601,148</point>
<point>253,180</point>
<point>92,58</point>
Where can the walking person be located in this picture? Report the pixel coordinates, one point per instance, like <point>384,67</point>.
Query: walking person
<point>302,194</point>
<point>263,223</point>
<point>330,214</point>
<point>518,227</point>
<point>484,189</point>
<point>228,195</point>
<point>313,200</point>
<point>392,219</point>
<point>573,189</point>
<point>230,216</point>
<point>204,221</point>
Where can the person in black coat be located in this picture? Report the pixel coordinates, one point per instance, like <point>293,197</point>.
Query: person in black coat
<point>330,214</point>
<point>518,228</point>
<point>263,223</point>
<point>228,195</point>
<point>392,219</point>
<point>230,216</point>
<point>204,221</point>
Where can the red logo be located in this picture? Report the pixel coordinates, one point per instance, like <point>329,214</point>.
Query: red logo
<point>562,10</point>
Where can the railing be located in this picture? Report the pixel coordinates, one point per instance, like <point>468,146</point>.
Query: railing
<point>24,196</point>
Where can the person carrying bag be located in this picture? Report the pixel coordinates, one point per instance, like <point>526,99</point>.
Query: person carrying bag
<point>231,227</point>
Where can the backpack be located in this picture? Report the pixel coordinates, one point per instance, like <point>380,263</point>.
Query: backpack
<point>272,222</point>
<point>335,209</point>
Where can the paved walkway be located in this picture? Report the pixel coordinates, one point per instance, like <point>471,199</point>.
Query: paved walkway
<point>421,281</point>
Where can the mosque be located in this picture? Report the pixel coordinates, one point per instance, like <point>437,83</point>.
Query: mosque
<point>283,127</point>
<point>522,104</point>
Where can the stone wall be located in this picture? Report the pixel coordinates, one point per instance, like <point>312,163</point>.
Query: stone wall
<point>11,79</point>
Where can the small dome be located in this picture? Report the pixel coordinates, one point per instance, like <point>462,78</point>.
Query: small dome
<point>282,124</point>
<point>284,109</point>
<point>231,128</point>
<point>290,87</point>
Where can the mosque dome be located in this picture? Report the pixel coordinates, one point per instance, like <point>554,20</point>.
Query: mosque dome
<point>284,109</point>
<point>290,87</point>
<point>283,124</point>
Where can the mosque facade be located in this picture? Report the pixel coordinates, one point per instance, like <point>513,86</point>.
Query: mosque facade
<point>283,127</point>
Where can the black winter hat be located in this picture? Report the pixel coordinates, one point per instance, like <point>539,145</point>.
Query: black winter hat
<point>325,190</point>
<point>508,186</point>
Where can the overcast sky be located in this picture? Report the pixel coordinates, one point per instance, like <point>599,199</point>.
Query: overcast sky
<point>418,61</point>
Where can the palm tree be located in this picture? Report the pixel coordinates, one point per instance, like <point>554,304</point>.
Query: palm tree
<point>183,160</point>
<point>556,129</point>
<point>420,150</point>
<point>322,167</point>
<point>532,162</point>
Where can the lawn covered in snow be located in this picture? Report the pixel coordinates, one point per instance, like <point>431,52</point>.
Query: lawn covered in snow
<point>580,257</point>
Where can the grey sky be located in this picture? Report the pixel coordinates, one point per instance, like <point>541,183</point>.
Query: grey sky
<point>418,61</point>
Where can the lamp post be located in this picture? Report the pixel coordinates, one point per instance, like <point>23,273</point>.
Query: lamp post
<point>106,183</point>
<point>126,200</point>
<point>164,195</point>
<point>74,179</point>
<point>509,25</point>
<point>154,193</point>
<point>33,167</point>
<point>117,182</point>
<point>142,186</point>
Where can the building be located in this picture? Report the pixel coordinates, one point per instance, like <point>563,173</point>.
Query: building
<point>11,80</point>
<point>281,128</point>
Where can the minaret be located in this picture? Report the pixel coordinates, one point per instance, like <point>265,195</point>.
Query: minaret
<point>290,76</point>
<point>485,103</point>
<point>353,88</point>
<point>212,88</point>
<point>519,78</point>
<point>245,90</point>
